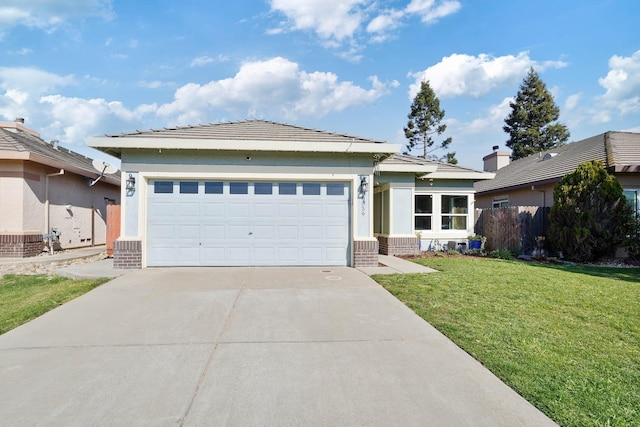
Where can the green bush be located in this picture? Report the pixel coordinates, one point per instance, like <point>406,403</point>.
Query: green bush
<point>590,216</point>
<point>501,254</point>
<point>632,242</point>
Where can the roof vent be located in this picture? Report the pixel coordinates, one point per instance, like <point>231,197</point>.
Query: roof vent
<point>19,120</point>
<point>54,144</point>
<point>495,147</point>
<point>549,156</point>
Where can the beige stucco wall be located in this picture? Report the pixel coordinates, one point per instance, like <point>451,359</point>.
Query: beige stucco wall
<point>11,197</point>
<point>22,203</point>
<point>540,195</point>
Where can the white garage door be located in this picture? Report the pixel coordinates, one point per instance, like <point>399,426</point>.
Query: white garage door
<point>209,223</point>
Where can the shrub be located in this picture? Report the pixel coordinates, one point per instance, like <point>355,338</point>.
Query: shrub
<point>632,242</point>
<point>501,254</point>
<point>590,216</point>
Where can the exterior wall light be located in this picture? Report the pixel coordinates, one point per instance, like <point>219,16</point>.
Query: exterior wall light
<point>364,185</point>
<point>131,183</point>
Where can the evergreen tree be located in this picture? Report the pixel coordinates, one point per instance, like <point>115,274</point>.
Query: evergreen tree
<point>590,216</point>
<point>532,124</point>
<point>424,121</point>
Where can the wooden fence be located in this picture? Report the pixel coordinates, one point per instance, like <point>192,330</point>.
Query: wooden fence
<point>514,228</point>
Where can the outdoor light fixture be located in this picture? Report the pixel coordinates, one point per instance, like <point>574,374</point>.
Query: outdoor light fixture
<point>131,183</point>
<point>363,184</point>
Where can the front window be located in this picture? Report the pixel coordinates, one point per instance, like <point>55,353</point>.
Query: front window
<point>454,212</point>
<point>633,198</point>
<point>423,211</point>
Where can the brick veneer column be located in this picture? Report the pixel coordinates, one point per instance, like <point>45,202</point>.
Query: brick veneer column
<point>365,253</point>
<point>398,245</point>
<point>20,245</point>
<point>127,254</point>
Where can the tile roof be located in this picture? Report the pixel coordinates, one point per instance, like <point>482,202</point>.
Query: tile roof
<point>440,169</point>
<point>256,130</point>
<point>23,142</point>
<point>615,149</point>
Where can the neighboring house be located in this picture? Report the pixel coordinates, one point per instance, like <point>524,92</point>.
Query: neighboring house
<point>433,200</point>
<point>45,187</point>
<point>530,181</point>
<point>263,193</point>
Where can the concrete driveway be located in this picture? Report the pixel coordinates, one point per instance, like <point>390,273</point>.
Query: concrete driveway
<point>245,347</point>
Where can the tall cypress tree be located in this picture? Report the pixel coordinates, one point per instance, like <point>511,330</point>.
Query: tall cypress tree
<point>425,121</point>
<point>532,124</point>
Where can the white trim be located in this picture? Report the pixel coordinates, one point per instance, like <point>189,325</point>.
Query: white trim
<point>460,175</point>
<point>239,145</point>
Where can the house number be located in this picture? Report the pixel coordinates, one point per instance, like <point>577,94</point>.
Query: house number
<point>363,209</point>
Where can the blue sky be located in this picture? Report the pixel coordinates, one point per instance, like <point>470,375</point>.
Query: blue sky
<point>80,68</point>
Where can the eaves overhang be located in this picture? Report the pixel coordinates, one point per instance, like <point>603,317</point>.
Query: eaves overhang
<point>115,145</point>
<point>44,160</point>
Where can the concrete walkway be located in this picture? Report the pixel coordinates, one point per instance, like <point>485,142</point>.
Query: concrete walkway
<point>245,347</point>
<point>395,265</point>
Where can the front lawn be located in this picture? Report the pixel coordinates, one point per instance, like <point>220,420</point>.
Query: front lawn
<point>25,297</point>
<point>565,338</point>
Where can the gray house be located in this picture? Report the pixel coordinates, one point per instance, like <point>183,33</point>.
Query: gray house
<point>263,193</point>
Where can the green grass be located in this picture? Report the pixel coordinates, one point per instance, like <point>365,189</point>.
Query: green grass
<point>565,338</point>
<point>25,297</point>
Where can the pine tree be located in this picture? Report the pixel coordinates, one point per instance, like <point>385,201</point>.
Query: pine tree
<point>424,121</point>
<point>532,124</point>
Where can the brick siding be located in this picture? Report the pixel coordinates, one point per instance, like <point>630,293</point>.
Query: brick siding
<point>398,245</point>
<point>127,254</point>
<point>365,253</point>
<point>20,245</point>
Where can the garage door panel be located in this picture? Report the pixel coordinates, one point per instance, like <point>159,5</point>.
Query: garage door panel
<point>213,209</point>
<point>263,211</point>
<point>264,255</point>
<point>335,232</point>
<point>212,255</point>
<point>188,232</point>
<point>189,209</point>
<point>311,232</point>
<point>210,232</point>
<point>287,232</point>
<point>238,210</point>
<point>312,210</point>
<point>287,210</point>
<point>263,232</point>
<point>288,228</point>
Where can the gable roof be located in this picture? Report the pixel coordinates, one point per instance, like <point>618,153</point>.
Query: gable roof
<point>254,135</point>
<point>430,169</point>
<point>619,151</point>
<point>19,143</point>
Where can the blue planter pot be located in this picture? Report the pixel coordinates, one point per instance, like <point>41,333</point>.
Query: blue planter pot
<point>475,244</point>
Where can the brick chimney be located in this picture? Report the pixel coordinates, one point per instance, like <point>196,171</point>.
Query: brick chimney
<point>496,160</point>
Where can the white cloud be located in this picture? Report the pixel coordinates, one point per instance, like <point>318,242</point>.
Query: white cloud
<point>622,83</point>
<point>461,74</point>
<point>430,11</point>
<point>337,22</point>
<point>204,60</point>
<point>329,19</point>
<point>275,87</point>
<point>32,80</point>
<point>572,101</point>
<point>50,14</point>
<point>21,52</point>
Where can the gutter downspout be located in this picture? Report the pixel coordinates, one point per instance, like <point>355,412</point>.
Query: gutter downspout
<point>46,203</point>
